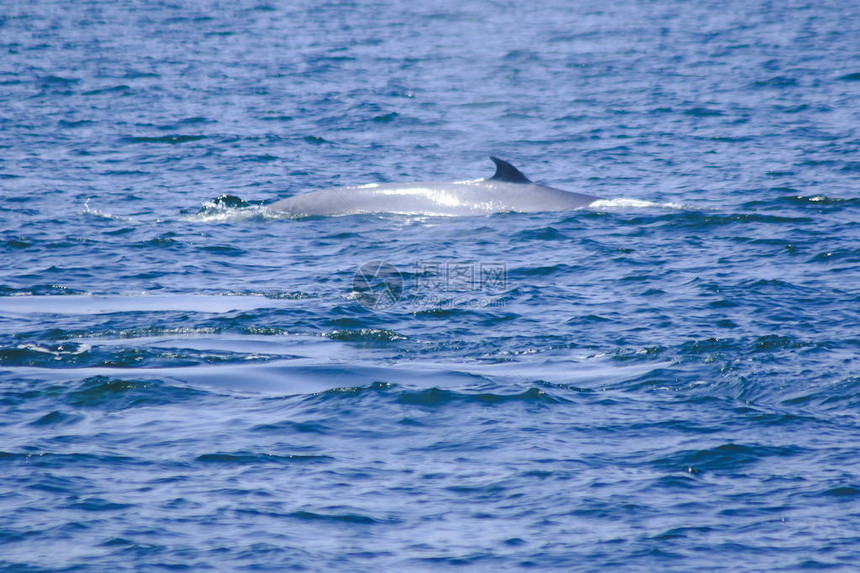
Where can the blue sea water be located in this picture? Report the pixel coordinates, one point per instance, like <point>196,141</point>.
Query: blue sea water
<point>667,381</point>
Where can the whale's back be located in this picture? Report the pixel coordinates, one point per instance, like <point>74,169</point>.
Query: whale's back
<point>508,190</point>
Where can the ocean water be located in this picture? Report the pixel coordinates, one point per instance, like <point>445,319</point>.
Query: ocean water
<point>665,381</point>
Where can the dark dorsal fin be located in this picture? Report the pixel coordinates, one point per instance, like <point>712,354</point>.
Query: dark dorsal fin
<point>507,172</point>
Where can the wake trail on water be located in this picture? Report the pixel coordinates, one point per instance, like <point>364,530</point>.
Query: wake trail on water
<point>90,212</point>
<point>311,374</point>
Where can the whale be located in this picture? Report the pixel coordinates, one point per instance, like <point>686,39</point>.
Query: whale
<point>508,190</point>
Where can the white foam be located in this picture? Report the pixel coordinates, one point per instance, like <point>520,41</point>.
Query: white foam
<point>217,214</point>
<point>624,203</point>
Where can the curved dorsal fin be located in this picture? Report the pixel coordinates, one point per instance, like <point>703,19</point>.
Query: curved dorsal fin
<point>507,172</point>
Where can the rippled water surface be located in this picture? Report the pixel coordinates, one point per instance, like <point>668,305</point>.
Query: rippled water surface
<point>668,380</point>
